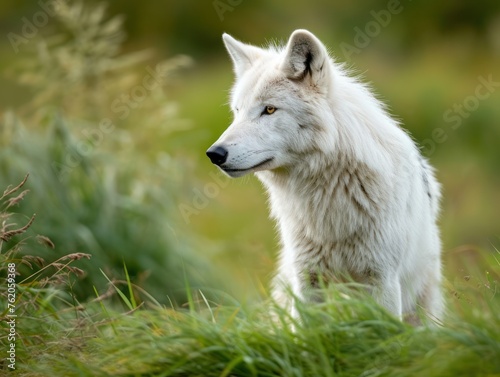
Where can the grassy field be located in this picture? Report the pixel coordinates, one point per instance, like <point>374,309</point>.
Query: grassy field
<point>114,277</point>
<point>347,335</point>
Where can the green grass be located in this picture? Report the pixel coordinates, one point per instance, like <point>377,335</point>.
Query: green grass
<point>346,336</point>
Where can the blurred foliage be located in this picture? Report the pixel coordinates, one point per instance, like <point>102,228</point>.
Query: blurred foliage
<point>194,27</point>
<point>94,191</point>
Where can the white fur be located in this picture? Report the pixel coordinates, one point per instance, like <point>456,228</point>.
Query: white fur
<point>348,187</point>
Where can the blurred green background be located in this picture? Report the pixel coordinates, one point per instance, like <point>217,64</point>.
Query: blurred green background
<point>119,170</point>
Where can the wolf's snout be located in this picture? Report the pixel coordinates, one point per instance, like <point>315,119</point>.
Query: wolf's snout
<point>218,155</point>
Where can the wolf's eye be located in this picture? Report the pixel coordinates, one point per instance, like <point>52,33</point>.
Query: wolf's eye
<point>268,110</point>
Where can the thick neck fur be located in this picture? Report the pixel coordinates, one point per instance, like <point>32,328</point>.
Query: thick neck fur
<point>337,190</point>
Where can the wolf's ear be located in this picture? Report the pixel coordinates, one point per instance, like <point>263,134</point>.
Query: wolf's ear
<point>243,55</point>
<point>306,57</point>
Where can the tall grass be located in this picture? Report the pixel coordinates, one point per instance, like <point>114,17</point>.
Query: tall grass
<point>347,335</point>
<point>43,285</point>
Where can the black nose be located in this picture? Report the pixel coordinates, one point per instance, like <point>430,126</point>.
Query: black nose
<point>218,155</point>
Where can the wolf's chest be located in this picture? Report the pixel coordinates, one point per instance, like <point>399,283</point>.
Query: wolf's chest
<point>352,256</point>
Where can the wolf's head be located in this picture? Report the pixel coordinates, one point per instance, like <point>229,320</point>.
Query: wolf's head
<point>280,102</point>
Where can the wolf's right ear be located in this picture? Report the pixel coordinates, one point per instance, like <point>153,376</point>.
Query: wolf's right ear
<point>243,55</point>
<point>306,58</point>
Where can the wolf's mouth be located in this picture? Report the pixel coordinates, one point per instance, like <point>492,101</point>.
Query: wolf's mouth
<point>250,168</point>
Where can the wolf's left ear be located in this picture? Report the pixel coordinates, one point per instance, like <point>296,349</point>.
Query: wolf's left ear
<point>243,55</point>
<point>306,58</point>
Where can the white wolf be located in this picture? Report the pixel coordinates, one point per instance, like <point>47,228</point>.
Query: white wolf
<point>348,187</point>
